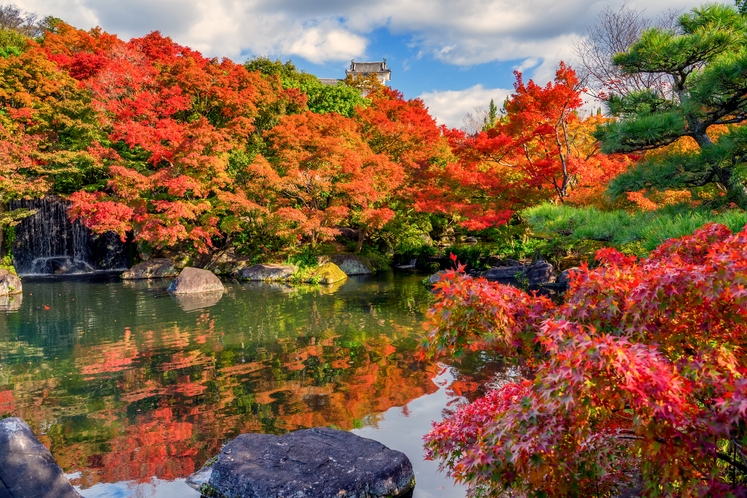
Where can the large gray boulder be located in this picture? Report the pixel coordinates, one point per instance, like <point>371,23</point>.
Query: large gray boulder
<point>9,283</point>
<point>565,276</point>
<point>436,277</point>
<point>266,273</point>
<point>153,268</point>
<point>352,264</point>
<point>539,273</point>
<point>196,281</point>
<point>11,303</point>
<point>536,274</point>
<point>27,469</point>
<point>504,273</point>
<point>312,463</point>
<point>227,262</point>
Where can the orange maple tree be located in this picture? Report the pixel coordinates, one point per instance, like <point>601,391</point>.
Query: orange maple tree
<point>173,118</point>
<point>325,173</point>
<point>540,149</point>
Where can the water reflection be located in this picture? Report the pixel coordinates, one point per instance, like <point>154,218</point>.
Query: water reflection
<point>127,387</point>
<point>191,302</point>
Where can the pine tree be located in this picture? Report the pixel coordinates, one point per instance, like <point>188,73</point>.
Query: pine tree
<point>706,58</point>
<point>491,116</point>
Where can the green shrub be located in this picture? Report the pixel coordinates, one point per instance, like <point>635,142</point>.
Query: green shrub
<point>633,233</point>
<point>474,256</point>
<point>380,261</point>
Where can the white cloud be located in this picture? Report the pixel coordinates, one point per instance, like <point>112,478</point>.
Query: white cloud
<point>325,42</point>
<point>449,107</point>
<point>461,32</point>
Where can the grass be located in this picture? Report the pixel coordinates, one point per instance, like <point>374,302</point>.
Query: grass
<point>634,233</point>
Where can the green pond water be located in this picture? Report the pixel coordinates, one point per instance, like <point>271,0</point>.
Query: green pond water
<point>134,389</point>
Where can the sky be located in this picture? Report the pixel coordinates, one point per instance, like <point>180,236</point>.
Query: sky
<point>456,55</point>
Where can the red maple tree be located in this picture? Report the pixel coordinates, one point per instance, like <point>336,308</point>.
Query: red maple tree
<point>638,372</point>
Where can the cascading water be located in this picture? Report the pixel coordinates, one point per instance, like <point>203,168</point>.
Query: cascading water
<point>47,243</point>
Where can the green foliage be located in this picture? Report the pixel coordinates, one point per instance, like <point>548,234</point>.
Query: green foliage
<point>268,67</point>
<point>492,116</point>
<point>12,43</point>
<point>514,240</point>
<point>305,259</point>
<point>6,263</point>
<point>705,62</point>
<point>636,233</point>
<point>379,260</point>
<point>473,256</point>
<point>408,233</point>
<point>321,98</point>
<point>339,98</point>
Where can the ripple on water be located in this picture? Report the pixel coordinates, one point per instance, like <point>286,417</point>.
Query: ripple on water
<point>134,389</point>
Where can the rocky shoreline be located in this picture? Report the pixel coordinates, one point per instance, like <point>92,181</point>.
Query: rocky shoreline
<point>311,463</point>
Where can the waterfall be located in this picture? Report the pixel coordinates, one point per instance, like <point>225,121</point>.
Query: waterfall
<point>47,243</point>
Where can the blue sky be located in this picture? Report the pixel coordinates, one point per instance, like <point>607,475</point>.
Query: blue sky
<point>454,54</point>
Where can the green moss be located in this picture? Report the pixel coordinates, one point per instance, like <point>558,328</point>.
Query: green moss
<point>328,273</point>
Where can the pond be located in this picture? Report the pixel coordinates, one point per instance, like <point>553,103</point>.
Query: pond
<point>133,389</point>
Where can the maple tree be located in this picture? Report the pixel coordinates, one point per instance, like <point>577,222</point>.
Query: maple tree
<point>539,149</point>
<point>400,128</point>
<point>639,370</point>
<point>174,121</point>
<point>325,173</point>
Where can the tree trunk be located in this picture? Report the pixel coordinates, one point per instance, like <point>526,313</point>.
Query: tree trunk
<point>736,191</point>
<point>361,238</point>
<point>2,233</point>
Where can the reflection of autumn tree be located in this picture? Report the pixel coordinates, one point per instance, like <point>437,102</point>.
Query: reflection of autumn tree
<point>136,401</point>
<point>174,411</point>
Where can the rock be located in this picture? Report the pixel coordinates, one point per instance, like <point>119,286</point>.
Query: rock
<point>503,273</point>
<point>564,276</point>
<point>11,303</point>
<point>436,277</point>
<point>471,241</point>
<point>227,263</point>
<point>328,273</point>
<point>194,281</point>
<point>426,239</point>
<point>352,264</point>
<point>539,273</point>
<point>153,268</point>
<point>9,283</point>
<point>496,262</point>
<point>266,272</point>
<point>312,463</point>
<point>27,469</point>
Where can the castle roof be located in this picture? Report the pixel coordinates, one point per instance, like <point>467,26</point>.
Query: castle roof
<point>368,67</point>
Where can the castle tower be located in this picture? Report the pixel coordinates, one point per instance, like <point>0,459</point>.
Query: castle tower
<point>367,68</point>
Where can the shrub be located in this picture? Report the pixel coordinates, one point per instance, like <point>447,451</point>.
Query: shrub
<point>637,232</point>
<point>639,372</point>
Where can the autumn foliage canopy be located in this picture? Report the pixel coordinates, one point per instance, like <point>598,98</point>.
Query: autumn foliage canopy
<point>540,149</point>
<point>170,149</point>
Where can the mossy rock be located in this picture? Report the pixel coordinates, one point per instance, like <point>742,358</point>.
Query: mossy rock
<point>328,273</point>
<point>352,264</point>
